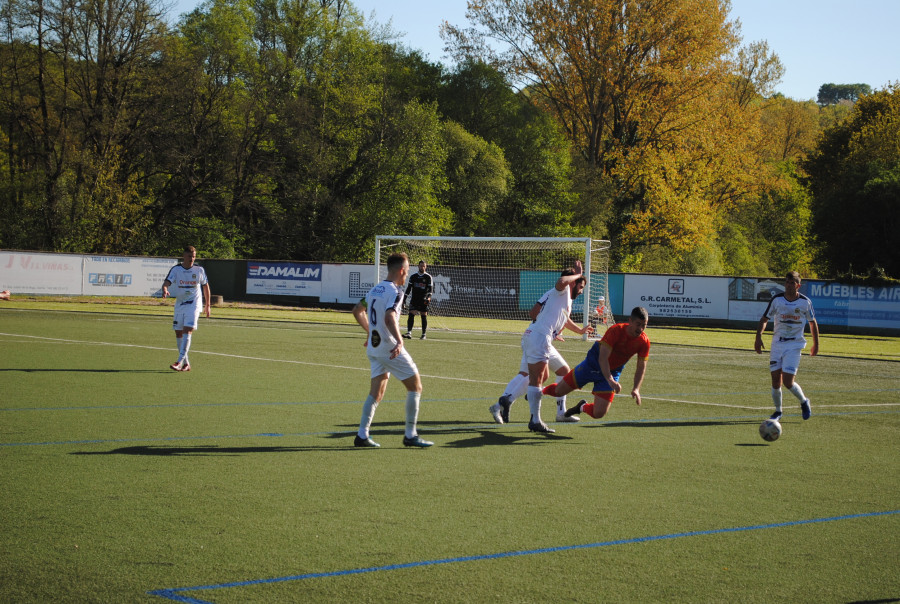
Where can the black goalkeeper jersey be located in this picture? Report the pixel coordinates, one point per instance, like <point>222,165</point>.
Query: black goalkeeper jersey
<point>420,286</point>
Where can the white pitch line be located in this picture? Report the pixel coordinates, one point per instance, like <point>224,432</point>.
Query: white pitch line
<point>239,356</point>
<point>675,400</point>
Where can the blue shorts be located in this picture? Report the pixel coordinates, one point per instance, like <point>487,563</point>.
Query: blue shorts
<point>585,373</point>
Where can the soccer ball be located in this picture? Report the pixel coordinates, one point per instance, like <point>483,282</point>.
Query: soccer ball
<point>770,430</point>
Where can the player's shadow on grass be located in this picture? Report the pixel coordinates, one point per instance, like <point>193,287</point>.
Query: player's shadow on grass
<point>490,438</point>
<point>35,370</point>
<point>202,450</point>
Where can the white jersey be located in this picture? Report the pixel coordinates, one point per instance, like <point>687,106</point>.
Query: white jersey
<point>187,286</point>
<point>790,319</point>
<point>555,309</point>
<point>382,298</point>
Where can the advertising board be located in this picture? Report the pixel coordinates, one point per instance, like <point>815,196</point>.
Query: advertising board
<point>284,278</point>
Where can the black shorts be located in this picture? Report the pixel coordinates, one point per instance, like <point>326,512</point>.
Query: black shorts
<point>418,305</point>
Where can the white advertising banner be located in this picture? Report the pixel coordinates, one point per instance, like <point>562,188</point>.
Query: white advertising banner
<point>679,297</point>
<point>746,310</point>
<point>284,278</point>
<point>46,274</point>
<point>346,283</point>
<point>125,276</point>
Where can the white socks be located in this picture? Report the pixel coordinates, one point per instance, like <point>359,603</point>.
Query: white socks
<point>185,346</point>
<point>368,412</point>
<point>516,387</point>
<point>560,400</point>
<point>776,398</point>
<point>797,391</point>
<point>534,403</point>
<point>412,412</point>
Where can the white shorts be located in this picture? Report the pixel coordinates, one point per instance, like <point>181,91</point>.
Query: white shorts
<point>785,358</point>
<point>186,319</point>
<point>555,363</point>
<point>401,366</point>
<point>537,347</point>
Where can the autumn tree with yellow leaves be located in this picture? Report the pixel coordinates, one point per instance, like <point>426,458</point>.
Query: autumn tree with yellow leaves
<point>658,99</point>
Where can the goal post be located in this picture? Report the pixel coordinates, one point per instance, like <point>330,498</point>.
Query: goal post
<point>490,283</point>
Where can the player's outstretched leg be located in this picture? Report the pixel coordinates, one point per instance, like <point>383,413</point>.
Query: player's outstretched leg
<point>576,410</point>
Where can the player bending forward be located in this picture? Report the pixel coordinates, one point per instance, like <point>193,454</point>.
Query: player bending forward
<point>604,363</point>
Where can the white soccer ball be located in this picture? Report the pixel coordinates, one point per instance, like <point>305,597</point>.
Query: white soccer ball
<point>770,430</point>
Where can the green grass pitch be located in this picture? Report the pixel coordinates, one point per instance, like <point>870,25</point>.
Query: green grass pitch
<point>123,481</point>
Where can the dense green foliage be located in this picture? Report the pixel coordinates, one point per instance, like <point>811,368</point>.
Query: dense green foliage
<point>297,130</point>
<point>854,176</point>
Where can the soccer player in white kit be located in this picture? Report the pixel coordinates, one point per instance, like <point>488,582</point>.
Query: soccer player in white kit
<point>518,385</point>
<point>537,341</point>
<point>188,281</point>
<point>379,314</point>
<point>790,311</point>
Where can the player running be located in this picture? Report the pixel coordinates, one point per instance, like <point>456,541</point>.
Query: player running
<point>604,363</point>
<point>790,312</point>
<point>189,281</point>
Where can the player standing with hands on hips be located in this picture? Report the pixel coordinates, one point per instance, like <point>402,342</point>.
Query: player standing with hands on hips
<point>379,314</point>
<point>189,281</point>
<point>421,286</point>
<point>790,311</point>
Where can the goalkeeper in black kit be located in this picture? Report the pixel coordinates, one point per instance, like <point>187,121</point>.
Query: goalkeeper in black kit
<point>420,286</point>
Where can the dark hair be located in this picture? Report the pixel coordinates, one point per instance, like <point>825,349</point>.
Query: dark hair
<point>639,312</point>
<point>793,276</point>
<point>396,261</point>
<point>190,248</point>
<point>571,271</point>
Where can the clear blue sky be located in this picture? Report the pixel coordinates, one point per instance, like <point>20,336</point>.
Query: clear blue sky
<point>818,41</point>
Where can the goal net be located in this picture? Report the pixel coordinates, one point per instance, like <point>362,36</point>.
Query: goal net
<point>490,283</point>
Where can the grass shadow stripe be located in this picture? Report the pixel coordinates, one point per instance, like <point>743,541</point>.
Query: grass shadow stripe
<point>175,593</point>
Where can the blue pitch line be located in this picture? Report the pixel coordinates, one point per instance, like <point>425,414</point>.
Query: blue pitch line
<point>432,429</point>
<point>174,593</point>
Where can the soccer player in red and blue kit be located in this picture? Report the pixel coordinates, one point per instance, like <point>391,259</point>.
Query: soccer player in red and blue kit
<point>604,363</point>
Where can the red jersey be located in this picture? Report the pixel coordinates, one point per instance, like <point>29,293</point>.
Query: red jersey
<point>624,346</point>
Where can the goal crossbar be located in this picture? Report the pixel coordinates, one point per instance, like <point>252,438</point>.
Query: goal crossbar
<point>498,279</point>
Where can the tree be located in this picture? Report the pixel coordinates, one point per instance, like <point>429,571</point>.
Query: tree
<point>478,181</point>
<point>651,95</point>
<point>831,94</point>
<point>539,198</point>
<point>854,177</point>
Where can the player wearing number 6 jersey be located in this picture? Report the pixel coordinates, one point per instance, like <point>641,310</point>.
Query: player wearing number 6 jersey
<point>379,314</point>
<point>790,311</point>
